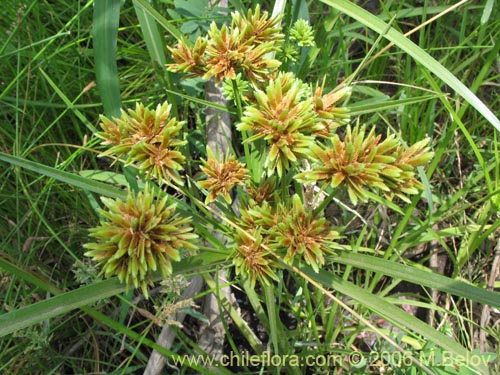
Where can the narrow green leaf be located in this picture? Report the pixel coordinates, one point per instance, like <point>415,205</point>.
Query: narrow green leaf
<point>32,278</point>
<point>68,103</point>
<point>373,22</point>
<point>154,41</point>
<point>488,7</point>
<point>150,11</point>
<point>65,302</point>
<point>105,34</point>
<point>419,276</point>
<point>384,105</point>
<point>70,178</point>
<point>204,102</point>
<point>118,327</point>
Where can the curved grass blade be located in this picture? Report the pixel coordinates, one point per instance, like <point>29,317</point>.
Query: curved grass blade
<point>419,276</point>
<point>150,11</point>
<point>70,178</point>
<point>65,302</point>
<point>376,24</point>
<point>384,105</point>
<point>29,277</point>
<point>152,36</point>
<point>105,34</point>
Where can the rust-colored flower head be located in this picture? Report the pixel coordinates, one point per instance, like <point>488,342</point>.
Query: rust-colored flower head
<point>327,110</point>
<point>407,160</point>
<point>361,161</point>
<point>222,176</point>
<point>302,235</point>
<point>189,59</point>
<point>256,64</point>
<point>255,215</point>
<point>224,52</point>
<point>284,117</point>
<point>139,236</point>
<point>243,47</point>
<point>264,191</point>
<point>147,139</point>
<point>252,261</point>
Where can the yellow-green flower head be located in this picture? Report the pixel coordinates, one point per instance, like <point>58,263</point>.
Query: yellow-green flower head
<point>361,161</point>
<point>242,86</point>
<point>284,117</point>
<point>252,261</point>
<point>258,29</point>
<point>302,33</point>
<point>139,236</point>
<point>302,235</point>
<point>147,139</point>
<point>222,176</point>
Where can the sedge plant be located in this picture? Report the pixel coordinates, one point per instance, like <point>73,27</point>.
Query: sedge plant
<point>325,213</point>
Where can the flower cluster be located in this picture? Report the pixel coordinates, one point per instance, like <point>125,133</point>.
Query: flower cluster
<point>302,234</point>
<point>302,33</point>
<point>244,46</point>
<point>330,115</point>
<point>139,236</point>
<point>288,230</point>
<point>289,118</point>
<point>363,161</point>
<point>252,259</point>
<point>147,139</point>
<point>222,176</point>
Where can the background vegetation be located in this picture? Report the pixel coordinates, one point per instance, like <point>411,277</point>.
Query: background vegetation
<point>57,316</point>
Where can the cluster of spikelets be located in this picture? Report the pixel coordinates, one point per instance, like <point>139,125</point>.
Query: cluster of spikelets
<point>289,116</point>
<point>147,139</point>
<point>139,236</point>
<point>284,230</point>
<point>362,161</point>
<point>271,226</point>
<point>297,124</point>
<point>244,46</point>
<point>222,176</point>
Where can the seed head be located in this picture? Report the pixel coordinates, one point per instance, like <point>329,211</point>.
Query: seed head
<point>139,236</point>
<point>362,161</point>
<point>222,176</point>
<point>147,139</point>
<point>284,117</point>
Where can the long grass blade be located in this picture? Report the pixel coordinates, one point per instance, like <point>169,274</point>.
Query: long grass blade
<point>65,302</point>
<point>70,178</point>
<point>392,313</point>
<point>105,33</point>
<point>150,11</point>
<point>420,277</point>
<point>152,37</point>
